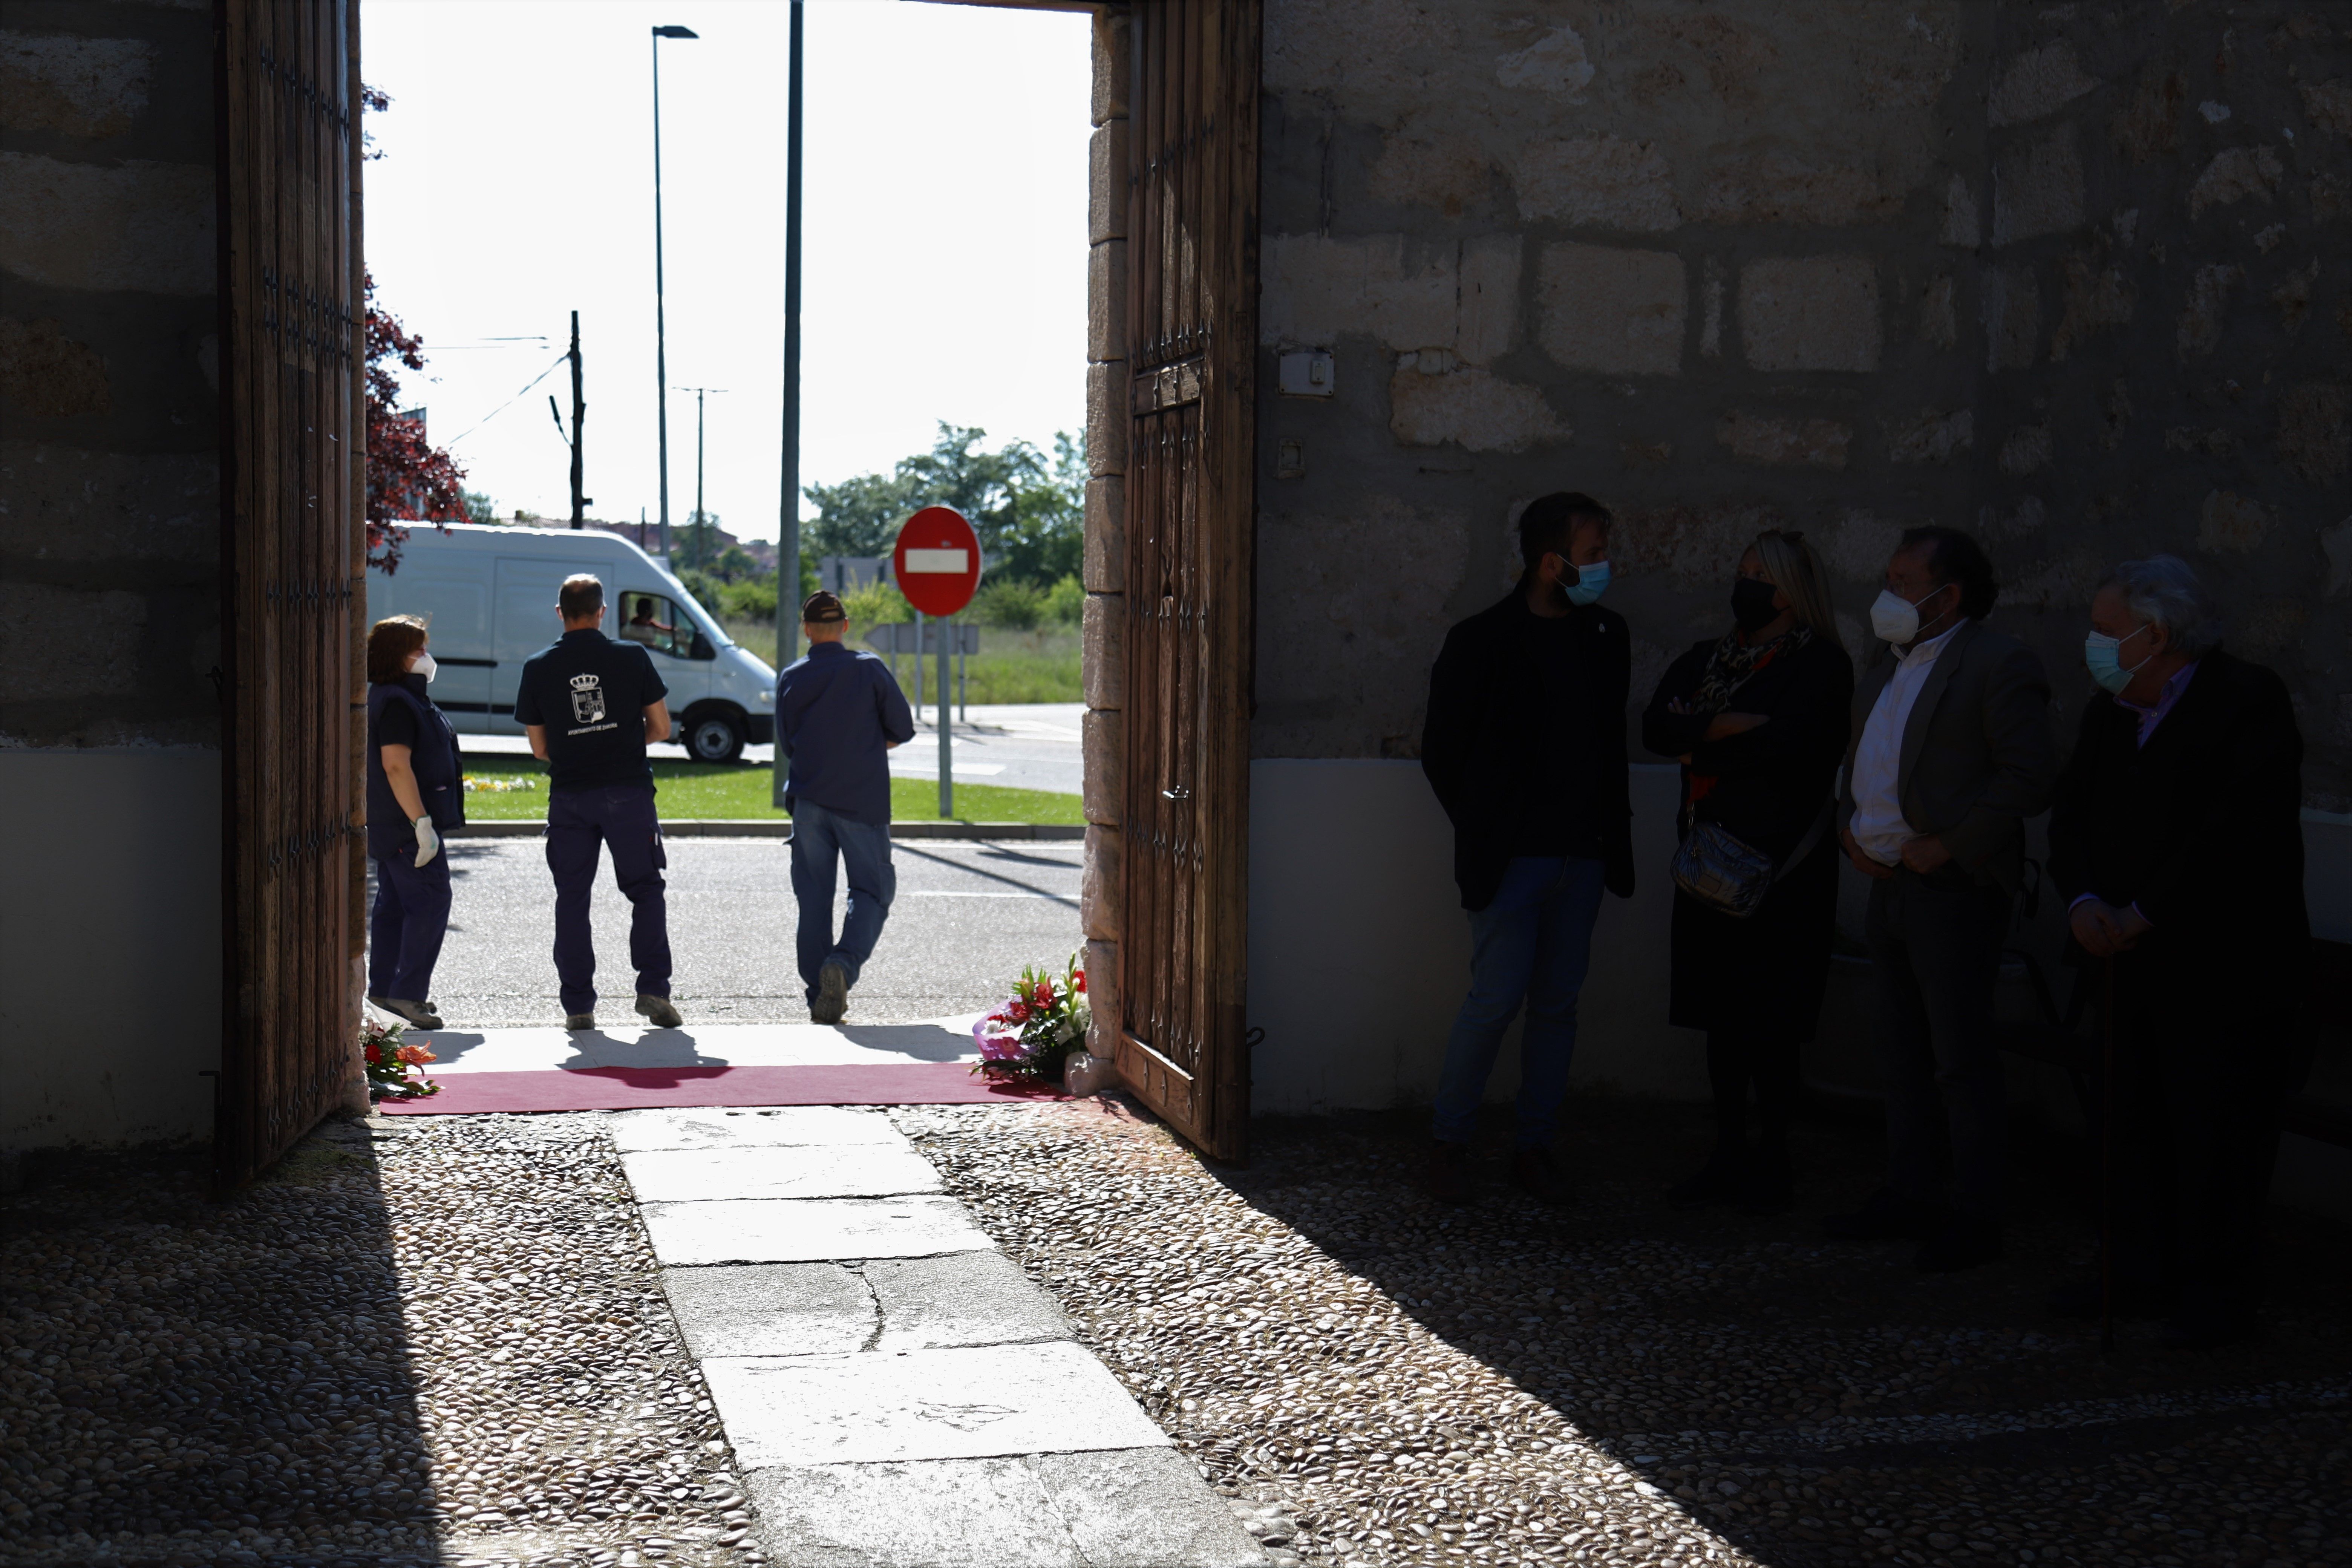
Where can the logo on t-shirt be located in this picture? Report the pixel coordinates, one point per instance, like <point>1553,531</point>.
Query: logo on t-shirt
<point>587,699</point>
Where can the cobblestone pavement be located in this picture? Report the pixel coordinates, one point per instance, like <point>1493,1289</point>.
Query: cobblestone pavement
<point>1387,1382</point>
<point>442,1340</point>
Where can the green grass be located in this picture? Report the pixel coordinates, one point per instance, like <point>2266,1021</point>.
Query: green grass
<point>1010,667</point>
<point>741,790</point>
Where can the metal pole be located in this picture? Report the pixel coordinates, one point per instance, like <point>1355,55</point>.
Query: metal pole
<point>661,326</point>
<point>918,666</point>
<point>701,534</point>
<point>947,750</point>
<point>579,412</point>
<point>788,522</point>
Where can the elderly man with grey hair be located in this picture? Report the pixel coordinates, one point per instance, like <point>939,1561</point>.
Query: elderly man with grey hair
<point>2176,839</point>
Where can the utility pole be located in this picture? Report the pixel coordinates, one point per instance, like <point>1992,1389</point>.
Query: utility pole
<point>661,334</point>
<point>579,412</point>
<point>701,518</point>
<point>788,523</point>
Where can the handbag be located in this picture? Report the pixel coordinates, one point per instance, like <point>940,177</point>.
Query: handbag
<point>1729,874</point>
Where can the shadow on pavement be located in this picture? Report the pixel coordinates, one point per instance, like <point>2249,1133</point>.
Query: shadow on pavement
<point>1821,1404</point>
<point>189,1381</point>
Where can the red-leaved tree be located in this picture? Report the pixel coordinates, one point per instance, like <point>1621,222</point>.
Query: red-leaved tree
<point>408,477</point>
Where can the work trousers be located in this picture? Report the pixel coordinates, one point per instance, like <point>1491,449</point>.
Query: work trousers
<point>622,820</point>
<point>1531,946</point>
<point>407,924</point>
<point>1935,943</point>
<point>824,845</point>
<point>2205,1057</point>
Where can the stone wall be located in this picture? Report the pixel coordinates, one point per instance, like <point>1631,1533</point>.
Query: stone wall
<point>2072,276</point>
<point>1106,537</point>
<point>110,955</point>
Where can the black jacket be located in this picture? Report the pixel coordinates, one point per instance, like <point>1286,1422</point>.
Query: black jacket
<point>2202,827</point>
<point>1481,743</point>
<point>1767,786</point>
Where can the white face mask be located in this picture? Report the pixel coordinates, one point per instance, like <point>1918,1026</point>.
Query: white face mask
<point>424,667</point>
<point>1896,619</point>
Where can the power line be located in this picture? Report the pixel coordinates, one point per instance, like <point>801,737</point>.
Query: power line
<point>509,403</point>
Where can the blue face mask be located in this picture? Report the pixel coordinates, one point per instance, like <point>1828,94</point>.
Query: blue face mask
<point>1591,581</point>
<point>2103,655</point>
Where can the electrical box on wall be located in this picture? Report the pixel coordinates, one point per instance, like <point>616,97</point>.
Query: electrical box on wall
<point>1307,373</point>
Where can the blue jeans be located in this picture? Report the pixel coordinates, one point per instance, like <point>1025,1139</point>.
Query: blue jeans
<point>1532,945</point>
<point>405,928</point>
<point>819,839</point>
<point>622,820</point>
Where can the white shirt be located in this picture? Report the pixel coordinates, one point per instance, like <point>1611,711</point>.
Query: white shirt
<point>1878,825</point>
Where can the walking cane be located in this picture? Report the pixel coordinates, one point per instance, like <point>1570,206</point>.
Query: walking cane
<point>2106,1162</point>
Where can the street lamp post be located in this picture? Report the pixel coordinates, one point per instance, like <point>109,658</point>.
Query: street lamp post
<point>701,521</point>
<point>661,341</point>
<point>788,523</point>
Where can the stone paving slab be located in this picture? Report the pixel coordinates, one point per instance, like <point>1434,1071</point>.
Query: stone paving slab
<point>845,1170</point>
<point>809,1230</point>
<point>1127,1509</point>
<point>734,1127</point>
<point>528,1048</point>
<point>968,1298</point>
<point>968,1404</point>
<point>774,1308</point>
<point>886,1304</point>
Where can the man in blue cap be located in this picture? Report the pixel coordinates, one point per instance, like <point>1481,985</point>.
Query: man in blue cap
<point>838,714</point>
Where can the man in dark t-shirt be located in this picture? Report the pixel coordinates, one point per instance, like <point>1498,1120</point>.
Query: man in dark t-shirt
<point>591,704</point>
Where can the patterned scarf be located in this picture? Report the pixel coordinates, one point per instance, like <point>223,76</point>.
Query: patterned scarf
<point>1733,662</point>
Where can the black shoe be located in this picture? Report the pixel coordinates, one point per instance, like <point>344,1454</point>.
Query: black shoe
<point>2080,1298</point>
<point>1769,1188</point>
<point>1533,1173</point>
<point>1722,1180</point>
<point>2207,1319</point>
<point>1962,1243</point>
<point>1886,1218</point>
<point>2206,1332</point>
<point>832,995</point>
<point>1447,1177</point>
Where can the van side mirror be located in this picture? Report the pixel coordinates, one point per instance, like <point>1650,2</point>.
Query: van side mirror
<point>704,647</point>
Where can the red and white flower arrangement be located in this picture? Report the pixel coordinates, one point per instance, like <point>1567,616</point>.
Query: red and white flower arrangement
<point>1044,1023</point>
<point>389,1062</point>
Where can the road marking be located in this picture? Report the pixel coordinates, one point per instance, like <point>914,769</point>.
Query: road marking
<point>942,893</point>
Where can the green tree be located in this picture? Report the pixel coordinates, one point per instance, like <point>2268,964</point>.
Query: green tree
<point>1028,511</point>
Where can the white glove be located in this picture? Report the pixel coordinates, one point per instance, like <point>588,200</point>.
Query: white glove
<point>428,843</point>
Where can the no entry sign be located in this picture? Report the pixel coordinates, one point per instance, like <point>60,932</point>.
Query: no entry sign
<point>936,560</point>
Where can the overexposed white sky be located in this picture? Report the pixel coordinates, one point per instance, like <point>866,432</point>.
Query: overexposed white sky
<point>945,241</point>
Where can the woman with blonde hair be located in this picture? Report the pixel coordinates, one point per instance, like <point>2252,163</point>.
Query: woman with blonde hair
<point>413,791</point>
<point>1758,719</point>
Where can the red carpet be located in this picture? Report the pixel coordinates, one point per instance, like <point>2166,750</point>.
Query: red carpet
<point>634,1089</point>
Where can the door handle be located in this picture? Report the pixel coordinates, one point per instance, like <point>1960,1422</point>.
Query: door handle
<point>1180,793</point>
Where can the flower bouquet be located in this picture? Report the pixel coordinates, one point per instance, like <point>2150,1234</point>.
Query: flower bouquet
<point>1030,1035</point>
<point>389,1062</point>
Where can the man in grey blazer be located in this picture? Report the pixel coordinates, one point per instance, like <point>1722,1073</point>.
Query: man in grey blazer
<point>1952,752</point>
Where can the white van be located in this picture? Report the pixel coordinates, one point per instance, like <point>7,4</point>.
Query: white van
<point>490,597</point>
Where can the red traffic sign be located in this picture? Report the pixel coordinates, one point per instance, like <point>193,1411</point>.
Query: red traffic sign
<point>936,560</point>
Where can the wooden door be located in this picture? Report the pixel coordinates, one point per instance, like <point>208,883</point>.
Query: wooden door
<point>292,558</point>
<point>1190,527</point>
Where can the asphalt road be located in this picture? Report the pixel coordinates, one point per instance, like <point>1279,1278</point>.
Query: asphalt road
<point>1020,746</point>
<point>967,917</point>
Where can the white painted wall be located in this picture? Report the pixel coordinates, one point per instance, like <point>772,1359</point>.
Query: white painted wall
<point>109,946</point>
<point>1359,951</point>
